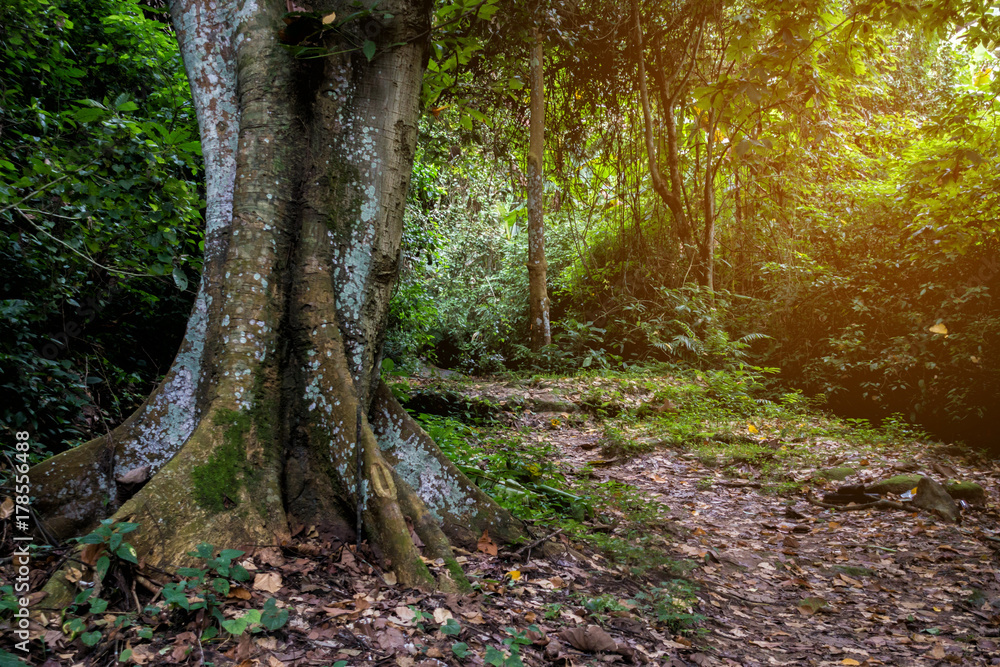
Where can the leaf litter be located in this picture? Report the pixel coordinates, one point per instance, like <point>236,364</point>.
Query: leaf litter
<point>780,580</point>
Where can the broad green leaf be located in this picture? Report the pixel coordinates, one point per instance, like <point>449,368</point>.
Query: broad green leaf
<point>235,626</point>
<point>127,552</point>
<point>271,617</point>
<point>88,115</point>
<point>180,279</point>
<point>451,627</point>
<point>101,568</point>
<point>494,657</point>
<point>221,585</point>
<point>368,48</point>
<point>10,660</point>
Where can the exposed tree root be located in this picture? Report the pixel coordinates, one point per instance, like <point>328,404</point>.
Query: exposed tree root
<point>878,504</point>
<point>463,509</point>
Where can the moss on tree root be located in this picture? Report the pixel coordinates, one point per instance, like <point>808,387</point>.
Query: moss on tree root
<point>294,326</point>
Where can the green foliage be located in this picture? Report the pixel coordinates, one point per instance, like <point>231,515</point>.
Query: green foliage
<point>600,605</point>
<point>100,223</point>
<point>510,654</point>
<point>904,243</point>
<point>519,475</point>
<point>522,477</point>
<point>198,590</point>
<point>451,628</point>
<point>670,605</point>
<point>111,535</point>
<point>205,588</point>
<point>853,175</point>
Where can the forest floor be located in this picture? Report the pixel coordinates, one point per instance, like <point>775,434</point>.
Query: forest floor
<point>696,546</point>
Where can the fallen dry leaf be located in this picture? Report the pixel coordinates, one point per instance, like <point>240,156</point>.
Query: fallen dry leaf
<point>486,545</point>
<point>809,606</point>
<point>591,638</point>
<point>135,476</point>
<point>269,582</point>
<point>239,593</point>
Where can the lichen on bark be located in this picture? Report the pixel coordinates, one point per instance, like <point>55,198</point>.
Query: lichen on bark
<point>284,342</point>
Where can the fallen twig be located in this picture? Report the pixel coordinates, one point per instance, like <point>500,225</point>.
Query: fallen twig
<point>741,485</point>
<point>734,596</point>
<point>878,504</point>
<point>534,544</point>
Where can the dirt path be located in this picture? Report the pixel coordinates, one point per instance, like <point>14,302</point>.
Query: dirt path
<point>787,582</point>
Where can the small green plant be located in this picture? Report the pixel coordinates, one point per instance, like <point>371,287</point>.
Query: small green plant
<point>601,604</point>
<point>419,617</point>
<point>113,554</point>
<point>510,654</point>
<point>450,627</point>
<point>200,588</point>
<point>670,605</point>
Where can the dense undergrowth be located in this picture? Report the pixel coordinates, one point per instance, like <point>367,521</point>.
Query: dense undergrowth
<point>100,222</point>
<point>856,248</point>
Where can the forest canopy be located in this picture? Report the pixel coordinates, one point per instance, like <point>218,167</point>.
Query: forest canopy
<point>835,164</point>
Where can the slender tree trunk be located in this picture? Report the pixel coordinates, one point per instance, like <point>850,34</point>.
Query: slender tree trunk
<point>671,196</point>
<point>272,408</point>
<point>668,100</point>
<point>538,296</point>
<point>708,201</point>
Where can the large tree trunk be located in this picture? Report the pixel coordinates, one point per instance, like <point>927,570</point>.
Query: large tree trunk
<point>264,414</point>
<point>538,296</point>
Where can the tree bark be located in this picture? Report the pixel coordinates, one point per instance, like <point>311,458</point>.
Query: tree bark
<point>707,263</point>
<point>667,195</point>
<point>263,415</point>
<point>538,298</point>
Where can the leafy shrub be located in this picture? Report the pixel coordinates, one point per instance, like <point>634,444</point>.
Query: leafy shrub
<point>100,212</point>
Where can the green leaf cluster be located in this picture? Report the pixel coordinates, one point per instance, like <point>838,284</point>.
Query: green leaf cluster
<point>100,212</point>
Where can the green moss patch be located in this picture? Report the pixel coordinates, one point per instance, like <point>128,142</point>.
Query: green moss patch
<point>221,478</point>
<point>836,474</point>
<point>897,484</point>
<point>967,491</point>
